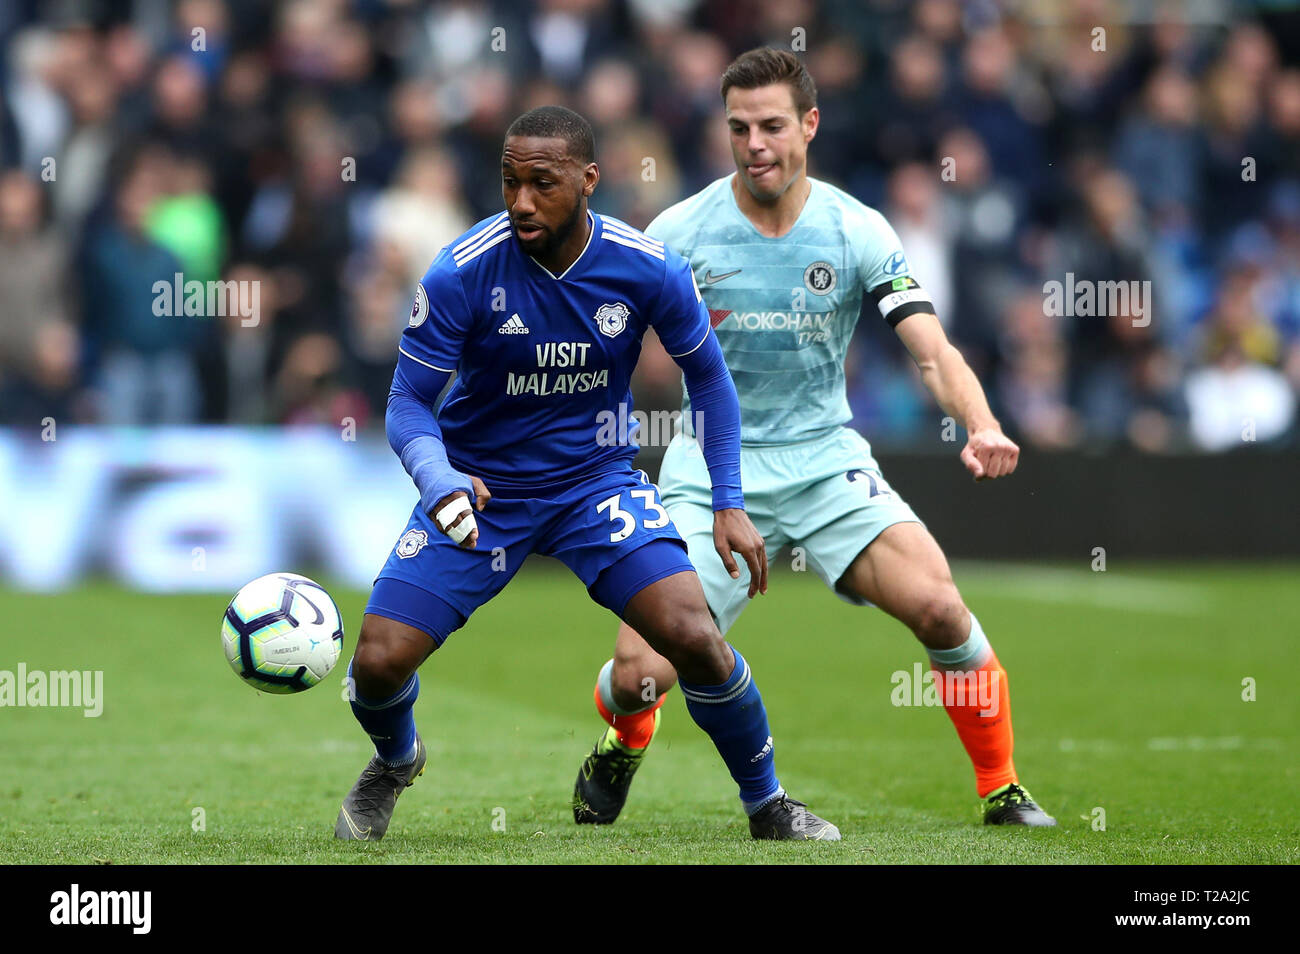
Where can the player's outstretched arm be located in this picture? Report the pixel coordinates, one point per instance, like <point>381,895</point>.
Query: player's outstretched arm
<point>716,413</point>
<point>415,437</point>
<point>988,452</point>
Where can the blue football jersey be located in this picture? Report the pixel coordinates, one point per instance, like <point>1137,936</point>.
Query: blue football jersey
<point>540,356</point>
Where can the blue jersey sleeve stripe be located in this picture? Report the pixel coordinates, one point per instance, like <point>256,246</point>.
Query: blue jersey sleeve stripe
<point>496,240</point>
<point>630,233</point>
<point>696,348</point>
<point>479,243</point>
<point>425,363</point>
<point>616,226</point>
<point>479,234</point>
<point>648,249</point>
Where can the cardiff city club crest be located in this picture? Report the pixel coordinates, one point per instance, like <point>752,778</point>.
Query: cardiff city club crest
<point>412,542</point>
<point>611,319</point>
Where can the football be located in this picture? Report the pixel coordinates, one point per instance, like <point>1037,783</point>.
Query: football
<point>282,633</point>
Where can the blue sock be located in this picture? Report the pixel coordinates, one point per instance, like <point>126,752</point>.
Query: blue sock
<point>390,722</point>
<point>733,716</point>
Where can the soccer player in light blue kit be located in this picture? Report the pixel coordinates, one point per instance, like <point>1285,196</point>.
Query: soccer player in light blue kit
<point>785,263</point>
<point>540,310</point>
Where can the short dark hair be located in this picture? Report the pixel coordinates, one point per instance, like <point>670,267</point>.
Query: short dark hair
<point>556,122</point>
<point>764,66</point>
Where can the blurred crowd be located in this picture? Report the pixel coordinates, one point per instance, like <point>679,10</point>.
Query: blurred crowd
<point>326,149</point>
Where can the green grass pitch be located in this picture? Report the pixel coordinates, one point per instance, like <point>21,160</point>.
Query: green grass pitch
<point>1127,694</point>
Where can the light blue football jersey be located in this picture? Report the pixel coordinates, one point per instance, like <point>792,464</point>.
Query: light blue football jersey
<point>784,309</point>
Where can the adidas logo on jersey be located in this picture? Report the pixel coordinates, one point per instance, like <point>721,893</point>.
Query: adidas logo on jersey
<point>514,326</point>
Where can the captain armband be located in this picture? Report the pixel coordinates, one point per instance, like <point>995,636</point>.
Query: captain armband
<point>899,298</point>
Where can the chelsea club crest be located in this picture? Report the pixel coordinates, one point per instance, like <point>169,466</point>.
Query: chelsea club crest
<point>819,278</point>
<point>611,319</point>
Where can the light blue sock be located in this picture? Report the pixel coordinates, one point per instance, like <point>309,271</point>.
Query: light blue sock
<point>969,655</point>
<point>605,686</point>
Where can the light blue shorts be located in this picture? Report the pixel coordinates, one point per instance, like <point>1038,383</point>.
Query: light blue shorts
<point>826,497</point>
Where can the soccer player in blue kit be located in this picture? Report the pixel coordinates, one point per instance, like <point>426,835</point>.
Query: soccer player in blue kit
<point>540,311</point>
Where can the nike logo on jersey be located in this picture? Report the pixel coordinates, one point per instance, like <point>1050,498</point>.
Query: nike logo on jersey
<point>712,279</point>
<point>514,325</point>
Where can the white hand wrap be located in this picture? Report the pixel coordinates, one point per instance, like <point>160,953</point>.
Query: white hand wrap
<point>449,513</point>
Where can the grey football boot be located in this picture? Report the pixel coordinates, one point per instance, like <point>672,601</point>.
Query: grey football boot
<point>368,808</point>
<point>784,819</point>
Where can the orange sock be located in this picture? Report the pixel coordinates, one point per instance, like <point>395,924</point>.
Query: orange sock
<point>633,731</point>
<point>979,704</point>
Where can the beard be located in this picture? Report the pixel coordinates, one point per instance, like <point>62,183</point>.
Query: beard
<point>551,240</point>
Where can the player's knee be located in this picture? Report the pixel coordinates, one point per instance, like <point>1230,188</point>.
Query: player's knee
<point>941,619</point>
<point>625,683</point>
<point>696,648</point>
<point>638,679</point>
<point>381,664</point>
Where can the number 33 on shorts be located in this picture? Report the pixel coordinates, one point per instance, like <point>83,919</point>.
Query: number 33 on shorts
<point>632,508</point>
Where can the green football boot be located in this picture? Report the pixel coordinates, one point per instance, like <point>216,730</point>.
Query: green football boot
<point>605,777</point>
<point>1013,805</point>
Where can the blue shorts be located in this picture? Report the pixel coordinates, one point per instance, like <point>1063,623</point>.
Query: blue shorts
<point>610,530</point>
